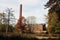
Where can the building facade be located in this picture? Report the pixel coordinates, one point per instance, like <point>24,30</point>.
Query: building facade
<point>35,28</point>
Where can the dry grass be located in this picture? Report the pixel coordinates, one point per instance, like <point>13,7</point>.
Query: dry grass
<point>26,35</point>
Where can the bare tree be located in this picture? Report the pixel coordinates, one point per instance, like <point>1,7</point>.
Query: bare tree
<point>31,20</point>
<point>9,18</point>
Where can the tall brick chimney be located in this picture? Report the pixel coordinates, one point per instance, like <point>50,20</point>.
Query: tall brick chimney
<point>20,15</point>
<point>19,23</point>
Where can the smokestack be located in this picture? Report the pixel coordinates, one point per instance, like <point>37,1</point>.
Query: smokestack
<point>20,10</point>
<point>20,15</point>
<point>19,23</point>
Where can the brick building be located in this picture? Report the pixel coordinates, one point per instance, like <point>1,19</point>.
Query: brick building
<point>36,28</point>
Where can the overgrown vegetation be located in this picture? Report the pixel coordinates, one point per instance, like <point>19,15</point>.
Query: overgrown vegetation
<point>53,16</point>
<point>7,21</point>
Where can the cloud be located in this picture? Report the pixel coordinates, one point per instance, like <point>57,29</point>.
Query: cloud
<point>4,5</point>
<point>30,7</point>
<point>30,2</point>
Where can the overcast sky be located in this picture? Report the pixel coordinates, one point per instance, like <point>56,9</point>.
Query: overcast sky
<point>30,8</point>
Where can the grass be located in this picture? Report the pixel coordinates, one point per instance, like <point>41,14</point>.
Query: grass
<point>21,36</point>
<point>27,35</point>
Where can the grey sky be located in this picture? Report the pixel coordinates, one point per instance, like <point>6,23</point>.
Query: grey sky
<point>30,8</point>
